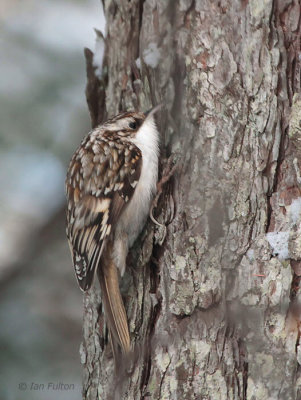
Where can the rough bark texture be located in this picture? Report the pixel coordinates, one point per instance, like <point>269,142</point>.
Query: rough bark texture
<point>213,308</point>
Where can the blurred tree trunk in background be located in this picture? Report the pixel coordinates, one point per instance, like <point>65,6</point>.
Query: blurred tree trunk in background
<point>212,301</point>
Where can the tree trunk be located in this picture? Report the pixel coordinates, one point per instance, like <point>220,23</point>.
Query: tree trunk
<point>213,298</point>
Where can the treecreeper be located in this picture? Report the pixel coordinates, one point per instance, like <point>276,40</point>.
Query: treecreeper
<point>110,184</point>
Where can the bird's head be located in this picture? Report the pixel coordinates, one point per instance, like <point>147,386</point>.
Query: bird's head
<point>129,123</point>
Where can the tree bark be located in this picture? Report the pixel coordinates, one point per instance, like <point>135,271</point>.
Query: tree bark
<point>213,298</point>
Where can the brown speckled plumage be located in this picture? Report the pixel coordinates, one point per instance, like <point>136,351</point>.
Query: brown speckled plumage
<point>107,204</point>
<point>101,179</point>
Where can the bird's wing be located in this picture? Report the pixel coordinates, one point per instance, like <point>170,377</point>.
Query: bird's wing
<point>101,179</point>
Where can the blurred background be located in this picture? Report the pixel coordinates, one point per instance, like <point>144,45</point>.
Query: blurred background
<point>43,116</point>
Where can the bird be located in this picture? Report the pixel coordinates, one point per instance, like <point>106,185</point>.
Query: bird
<point>110,183</point>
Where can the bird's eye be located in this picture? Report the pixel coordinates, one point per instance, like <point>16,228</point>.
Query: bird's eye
<point>133,125</point>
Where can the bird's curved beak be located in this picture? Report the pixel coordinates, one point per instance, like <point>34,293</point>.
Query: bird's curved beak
<point>152,111</point>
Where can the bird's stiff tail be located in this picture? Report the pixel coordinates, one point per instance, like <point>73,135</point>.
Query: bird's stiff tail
<point>113,304</point>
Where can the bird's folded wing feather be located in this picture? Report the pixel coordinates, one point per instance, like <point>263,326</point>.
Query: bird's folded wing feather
<point>101,179</point>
